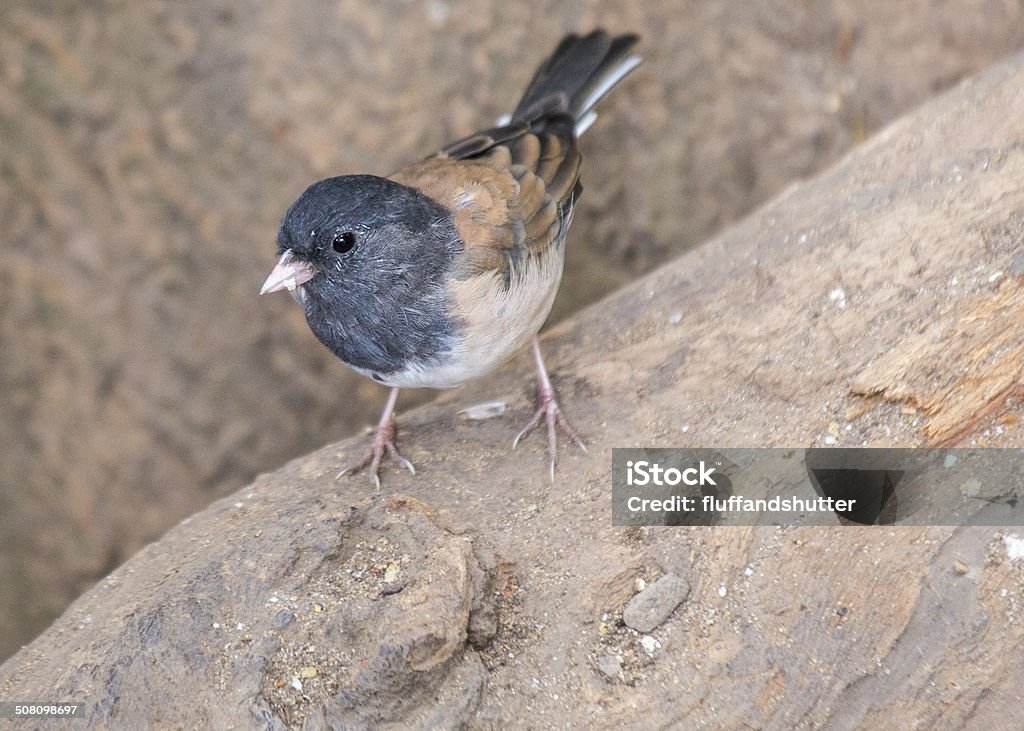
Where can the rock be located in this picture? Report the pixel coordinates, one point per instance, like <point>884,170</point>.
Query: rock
<point>653,605</point>
<point>333,644</point>
<point>1017,264</point>
<point>610,666</point>
<point>650,645</point>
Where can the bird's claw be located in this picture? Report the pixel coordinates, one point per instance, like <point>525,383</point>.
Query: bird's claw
<point>383,442</point>
<point>551,413</point>
<point>548,410</point>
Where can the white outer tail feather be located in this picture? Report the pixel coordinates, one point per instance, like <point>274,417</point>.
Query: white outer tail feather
<point>587,115</point>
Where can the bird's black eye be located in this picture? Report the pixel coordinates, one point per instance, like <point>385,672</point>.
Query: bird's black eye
<point>344,241</point>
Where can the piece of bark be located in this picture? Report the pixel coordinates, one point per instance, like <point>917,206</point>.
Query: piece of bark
<point>984,335</point>
<point>775,333</point>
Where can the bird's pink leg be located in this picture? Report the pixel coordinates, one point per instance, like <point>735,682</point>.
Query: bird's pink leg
<point>550,412</point>
<point>383,441</point>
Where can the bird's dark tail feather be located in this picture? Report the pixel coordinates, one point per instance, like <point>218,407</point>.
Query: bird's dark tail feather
<point>581,71</point>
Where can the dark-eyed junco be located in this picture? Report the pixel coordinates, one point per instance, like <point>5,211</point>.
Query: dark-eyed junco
<point>435,276</point>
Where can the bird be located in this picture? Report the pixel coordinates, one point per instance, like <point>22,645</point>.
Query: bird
<point>442,271</point>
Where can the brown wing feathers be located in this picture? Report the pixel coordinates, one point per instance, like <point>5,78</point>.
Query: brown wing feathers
<point>503,206</point>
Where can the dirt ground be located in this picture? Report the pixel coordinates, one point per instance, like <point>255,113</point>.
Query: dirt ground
<point>147,151</point>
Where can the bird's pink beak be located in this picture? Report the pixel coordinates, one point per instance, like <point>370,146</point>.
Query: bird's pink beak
<point>289,273</point>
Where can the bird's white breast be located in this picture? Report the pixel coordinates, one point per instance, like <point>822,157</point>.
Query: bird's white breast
<point>496,321</point>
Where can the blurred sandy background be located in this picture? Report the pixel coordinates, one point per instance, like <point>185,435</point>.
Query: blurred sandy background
<point>148,150</point>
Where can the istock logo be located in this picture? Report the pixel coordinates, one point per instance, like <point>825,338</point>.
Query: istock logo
<point>643,473</point>
<point>823,486</point>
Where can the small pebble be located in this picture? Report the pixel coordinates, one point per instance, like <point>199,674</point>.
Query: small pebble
<point>282,619</point>
<point>1014,547</point>
<point>649,644</point>
<point>1017,264</point>
<point>438,11</point>
<point>654,604</point>
<point>610,666</point>
<point>971,488</point>
<point>297,684</point>
<point>960,567</point>
<point>486,410</point>
<point>838,296</point>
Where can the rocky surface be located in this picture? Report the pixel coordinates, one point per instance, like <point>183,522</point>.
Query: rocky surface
<point>147,151</point>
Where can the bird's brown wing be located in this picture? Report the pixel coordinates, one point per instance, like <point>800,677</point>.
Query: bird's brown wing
<point>510,190</point>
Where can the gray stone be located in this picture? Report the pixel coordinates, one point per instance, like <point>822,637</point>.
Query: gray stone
<point>1017,264</point>
<point>610,666</point>
<point>653,605</point>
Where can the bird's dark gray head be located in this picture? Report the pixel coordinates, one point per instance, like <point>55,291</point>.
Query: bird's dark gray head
<point>341,224</point>
<point>374,255</point>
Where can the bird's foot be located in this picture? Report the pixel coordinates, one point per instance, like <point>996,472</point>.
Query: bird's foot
<point>383,442</point>
<point>550,412</point>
